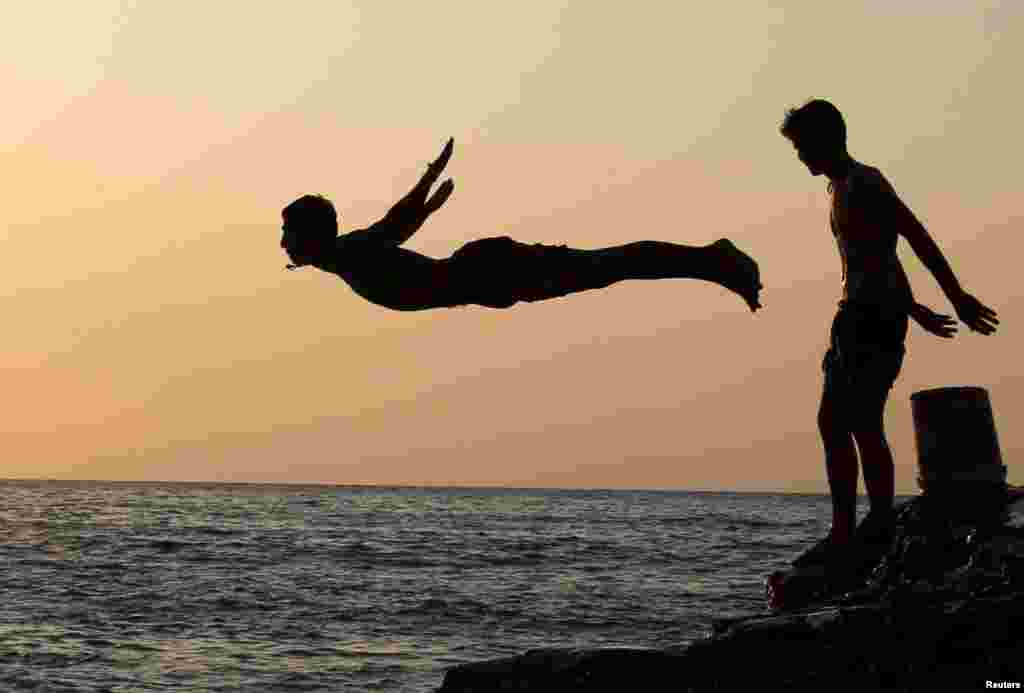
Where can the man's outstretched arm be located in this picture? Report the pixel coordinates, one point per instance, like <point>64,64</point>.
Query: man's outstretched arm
<point>408,214</point>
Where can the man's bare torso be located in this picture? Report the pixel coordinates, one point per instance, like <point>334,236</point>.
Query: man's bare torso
<point>866,238</point>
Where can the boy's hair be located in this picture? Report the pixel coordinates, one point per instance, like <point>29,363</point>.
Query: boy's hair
<point>312,214</point>
<point>817,121</point>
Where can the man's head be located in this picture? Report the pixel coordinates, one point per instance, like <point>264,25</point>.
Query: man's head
<point>818,133</point>
<point>310,227</point>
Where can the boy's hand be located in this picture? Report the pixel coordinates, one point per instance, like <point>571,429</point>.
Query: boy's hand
<point>435,167</point>
<point>418,197</point>
<point>939,325</point>
<point>974,314</point>
<point>439,196</point>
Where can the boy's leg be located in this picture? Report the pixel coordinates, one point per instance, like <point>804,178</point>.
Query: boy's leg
<point>840,466</point>
<point>841,469</point>
<point>501,271</point>
<point>875,349</point>
<point>873,536</point>
<point>840,456</point>
<point>654,260</point>
<point>881,347</point>
<point>559,270</point>
<point>876,459</point>
<point>720,262</point>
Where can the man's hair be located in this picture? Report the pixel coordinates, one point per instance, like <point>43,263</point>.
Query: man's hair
<point>817,121</point>
<point>312,214</point>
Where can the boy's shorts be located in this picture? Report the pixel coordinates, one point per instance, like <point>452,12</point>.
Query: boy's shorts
<point>866,349</point>
<point>500,271</point>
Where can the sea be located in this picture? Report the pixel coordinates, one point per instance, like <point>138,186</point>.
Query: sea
<point>157,586</point>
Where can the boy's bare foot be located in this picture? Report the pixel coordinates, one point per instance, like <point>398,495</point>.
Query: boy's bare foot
<point>739,272</point>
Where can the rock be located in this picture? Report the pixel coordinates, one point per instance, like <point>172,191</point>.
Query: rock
<point>942,608</point>
<point>567,670</point>
<point>1015,509</point>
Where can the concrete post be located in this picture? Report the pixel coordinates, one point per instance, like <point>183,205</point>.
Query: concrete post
<point>957,447</point>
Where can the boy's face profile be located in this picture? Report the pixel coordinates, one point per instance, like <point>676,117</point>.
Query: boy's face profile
<point>813,157</point>
<point>310,227</point>
<point>301,248</point>
<point>818,133</point>
<point>290,242</point>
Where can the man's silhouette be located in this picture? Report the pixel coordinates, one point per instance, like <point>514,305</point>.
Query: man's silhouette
<point>867,337</point>
<point>496,272</point>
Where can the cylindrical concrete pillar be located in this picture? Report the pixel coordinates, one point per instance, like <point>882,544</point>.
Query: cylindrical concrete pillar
<point>956,438</point>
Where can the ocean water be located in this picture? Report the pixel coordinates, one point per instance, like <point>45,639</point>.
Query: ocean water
<point>124,587</point>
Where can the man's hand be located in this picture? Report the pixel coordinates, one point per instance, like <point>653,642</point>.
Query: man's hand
<point>937,324</point>
<point>974,314</point>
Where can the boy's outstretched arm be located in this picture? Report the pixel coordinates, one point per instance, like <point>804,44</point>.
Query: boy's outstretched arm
<point>935,323</point>
<point>408,214</point>
<point>970,310</point>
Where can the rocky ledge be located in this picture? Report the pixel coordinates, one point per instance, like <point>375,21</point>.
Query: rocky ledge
<point>941,608</point>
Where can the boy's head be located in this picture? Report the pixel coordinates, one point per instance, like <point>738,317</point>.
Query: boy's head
<point>310,225</point>
<point>818,133</point>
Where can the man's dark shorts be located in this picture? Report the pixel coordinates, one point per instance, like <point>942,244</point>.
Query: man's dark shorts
<point>500,271</point>
<point>864,357</point>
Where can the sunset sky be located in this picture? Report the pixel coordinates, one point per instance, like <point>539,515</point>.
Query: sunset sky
<point>150,331</point>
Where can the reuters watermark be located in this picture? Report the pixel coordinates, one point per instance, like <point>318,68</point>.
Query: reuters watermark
<point>994,685</point>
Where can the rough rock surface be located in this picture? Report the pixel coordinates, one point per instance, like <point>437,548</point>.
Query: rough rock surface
<point>941,608</point>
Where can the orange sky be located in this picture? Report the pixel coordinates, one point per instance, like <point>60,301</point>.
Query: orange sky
<point>150,332</point>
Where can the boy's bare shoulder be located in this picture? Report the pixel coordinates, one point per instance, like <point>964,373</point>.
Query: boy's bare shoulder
<point>355,236</point>
<point>864,175</point>
<point>349,250</point>
<point>869,185</point>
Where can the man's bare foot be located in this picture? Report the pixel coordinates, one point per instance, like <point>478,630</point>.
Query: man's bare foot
<point>739,272</point>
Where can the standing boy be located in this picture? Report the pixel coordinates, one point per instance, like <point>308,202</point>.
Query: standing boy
<point>867,338</point>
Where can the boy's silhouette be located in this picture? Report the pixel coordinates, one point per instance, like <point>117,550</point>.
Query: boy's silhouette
<point>867,337</point>
<point>496,272</point>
